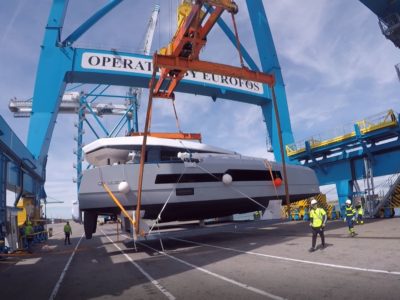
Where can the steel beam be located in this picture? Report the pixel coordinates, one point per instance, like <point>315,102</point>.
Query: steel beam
<point>270,64</point>
<point>90,22</point>
<point>3,198</point>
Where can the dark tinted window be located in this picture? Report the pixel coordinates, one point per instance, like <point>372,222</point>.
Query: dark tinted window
<point>170,154</point>
<point>237,175</point>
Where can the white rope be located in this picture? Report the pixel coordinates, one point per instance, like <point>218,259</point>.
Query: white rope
<point>236,190</point>
<point>269,167</point>
<point>166,202</point>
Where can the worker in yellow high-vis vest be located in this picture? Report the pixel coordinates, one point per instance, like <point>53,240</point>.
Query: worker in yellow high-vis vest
<point>350,217</point>
<point>318,220</point>
<point>360,213</point>
<point>67,232</point>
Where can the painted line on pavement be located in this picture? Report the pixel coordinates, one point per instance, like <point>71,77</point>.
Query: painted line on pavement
<point>292,259</point>
<point>239,284</point>
<point>147,275</point>
<point>58,284</point>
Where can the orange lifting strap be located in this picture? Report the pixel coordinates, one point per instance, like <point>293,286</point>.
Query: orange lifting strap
<point>171,135</point>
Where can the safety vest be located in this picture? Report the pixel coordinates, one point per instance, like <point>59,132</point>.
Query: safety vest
<point>67,229</point>
<point>360,211</point>
<point>317,216</point>
<point>350,211</point>
<point>28,230</point>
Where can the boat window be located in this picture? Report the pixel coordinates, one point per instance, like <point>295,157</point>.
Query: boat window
<point>184,191</point>
<point>170,154</point>
<point>237,175</point>
<point>153,155</point>
<point>134,157</point>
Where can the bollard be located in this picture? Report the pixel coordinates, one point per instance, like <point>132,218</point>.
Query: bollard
<point>306,215</point>
<point>296,215</point>
<point>50,232</point>
<point>387,212</point>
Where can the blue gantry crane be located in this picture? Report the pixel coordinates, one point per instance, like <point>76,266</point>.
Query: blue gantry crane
<point>388,12</point>
<point>363,150</point>
<point>365,153</point>
<point>369,148</point>
<point>61,63</point>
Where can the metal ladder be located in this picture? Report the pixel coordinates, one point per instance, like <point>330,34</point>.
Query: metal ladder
<point>369,188</point>
<point>392,195</point>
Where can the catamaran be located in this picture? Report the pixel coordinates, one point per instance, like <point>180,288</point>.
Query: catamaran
<point>198,181</point>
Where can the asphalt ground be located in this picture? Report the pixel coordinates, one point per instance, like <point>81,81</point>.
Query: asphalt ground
<point>246,260</point>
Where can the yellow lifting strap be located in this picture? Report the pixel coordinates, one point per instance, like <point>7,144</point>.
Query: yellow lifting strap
<point>118,203</point>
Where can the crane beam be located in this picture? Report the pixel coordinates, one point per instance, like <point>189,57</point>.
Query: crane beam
<point>77,33</point>
<point>189,39</point>
<point>183,65</point>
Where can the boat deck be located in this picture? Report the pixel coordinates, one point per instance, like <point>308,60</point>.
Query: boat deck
<point>242,260</point>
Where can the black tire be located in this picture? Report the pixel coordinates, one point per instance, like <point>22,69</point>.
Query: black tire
<point>95,223</point>
<point>89,223</point>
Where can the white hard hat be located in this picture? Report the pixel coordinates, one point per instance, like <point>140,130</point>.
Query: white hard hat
<point>348,201</point>
<point>313,201</point>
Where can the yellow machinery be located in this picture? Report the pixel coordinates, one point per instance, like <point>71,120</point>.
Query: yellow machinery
<point>301,208</point>
<point>182,13</point>
<point>28,211</point>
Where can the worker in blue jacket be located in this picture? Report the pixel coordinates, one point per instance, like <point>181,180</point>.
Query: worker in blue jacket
<point>360,213</point>
<point>350,217</point>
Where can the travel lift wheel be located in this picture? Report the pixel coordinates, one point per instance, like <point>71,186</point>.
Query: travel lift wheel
<point>89,223</point>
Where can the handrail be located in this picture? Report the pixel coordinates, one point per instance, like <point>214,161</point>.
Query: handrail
<point>388,194</point>
<point>367,125</point>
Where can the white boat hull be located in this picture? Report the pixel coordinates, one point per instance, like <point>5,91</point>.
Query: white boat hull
<point>197,195</point>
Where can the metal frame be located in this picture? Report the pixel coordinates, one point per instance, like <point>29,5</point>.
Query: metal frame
<point>18,171</point>
<point>60,63</point>
<point>374,153</point>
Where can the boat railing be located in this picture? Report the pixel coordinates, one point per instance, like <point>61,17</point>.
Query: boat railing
<point>344,132</point>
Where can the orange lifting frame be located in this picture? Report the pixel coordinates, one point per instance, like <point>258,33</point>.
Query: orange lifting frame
<point>171,135</point>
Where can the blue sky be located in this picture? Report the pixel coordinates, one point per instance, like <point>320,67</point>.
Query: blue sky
<point>336,64</point>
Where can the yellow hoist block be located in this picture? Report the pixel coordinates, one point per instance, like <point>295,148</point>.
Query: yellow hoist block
<point>183,12</point>
<point>26,204</point>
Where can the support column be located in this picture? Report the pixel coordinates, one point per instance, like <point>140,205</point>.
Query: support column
<point>50,82</point>
<point>3,196</point>
<point>270,64</point>
<point>79,154</point>
<point>345,191</point>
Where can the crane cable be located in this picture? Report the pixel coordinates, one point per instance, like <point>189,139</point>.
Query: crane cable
<point>166,202</point>
<point>237,41</point>
<point>176,116</point>
<point>269,167</point>
<point>231,187</point>
<point>236,190</point>
<point>275,105</point>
